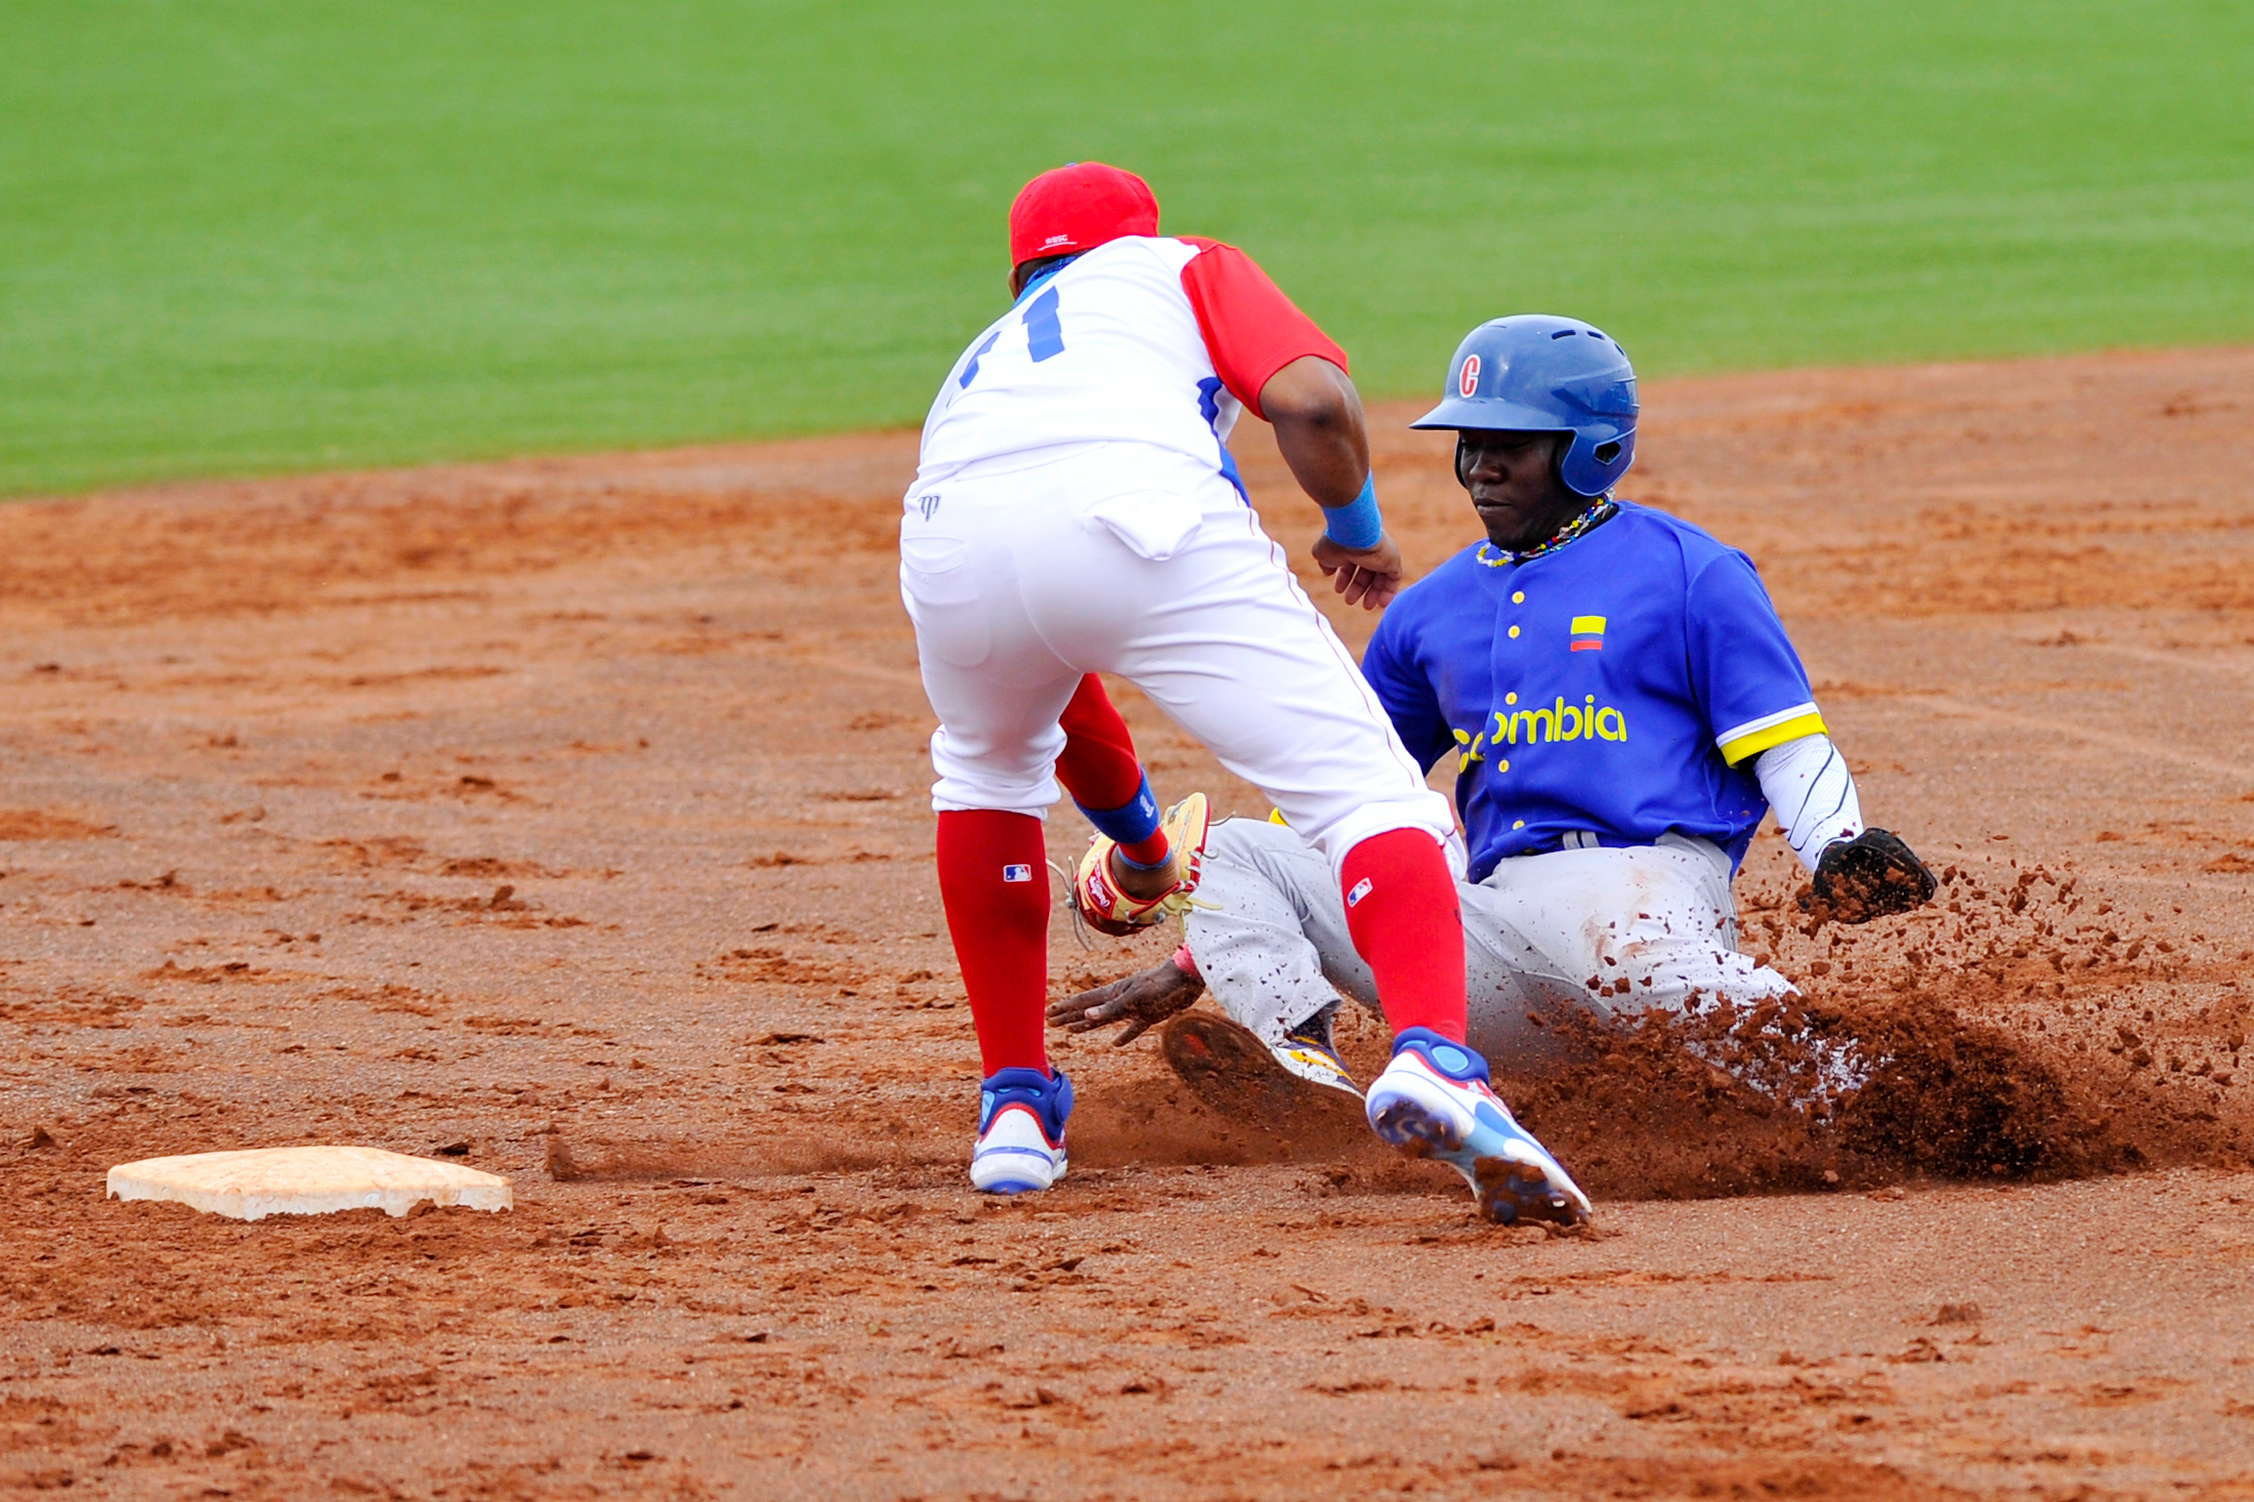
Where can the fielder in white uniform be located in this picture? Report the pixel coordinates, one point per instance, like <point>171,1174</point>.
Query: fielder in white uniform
<point>1625,707</point>
<point>1076,510</point>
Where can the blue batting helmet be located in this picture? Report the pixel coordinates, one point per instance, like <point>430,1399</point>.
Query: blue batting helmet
<point>1533,373</point>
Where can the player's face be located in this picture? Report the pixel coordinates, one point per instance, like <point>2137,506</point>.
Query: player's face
<point>1514,486</point>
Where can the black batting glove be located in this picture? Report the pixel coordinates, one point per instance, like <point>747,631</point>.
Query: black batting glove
<point>1870,876</point>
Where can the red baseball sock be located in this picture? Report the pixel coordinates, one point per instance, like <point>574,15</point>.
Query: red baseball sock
<point>994,879</point>
<point>1402,910</point>
<point>1098,766</point>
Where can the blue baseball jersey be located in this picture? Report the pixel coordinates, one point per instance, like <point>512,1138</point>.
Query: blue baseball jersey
<point>1602,694</point>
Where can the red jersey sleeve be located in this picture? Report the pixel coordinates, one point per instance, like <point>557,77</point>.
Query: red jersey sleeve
<point>1251,329</point>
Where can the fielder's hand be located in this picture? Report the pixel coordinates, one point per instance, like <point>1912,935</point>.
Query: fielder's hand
<point>1368,577</point>
<point>1870,876</point>
<point>1142,1001</point>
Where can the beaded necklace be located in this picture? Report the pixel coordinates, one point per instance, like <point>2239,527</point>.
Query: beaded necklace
<point>1588,521</point>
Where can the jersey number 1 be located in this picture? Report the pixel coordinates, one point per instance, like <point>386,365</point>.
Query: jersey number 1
<point>1044,334</point>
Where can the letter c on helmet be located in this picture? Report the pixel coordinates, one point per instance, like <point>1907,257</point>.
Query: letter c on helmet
<point>1544,374</point>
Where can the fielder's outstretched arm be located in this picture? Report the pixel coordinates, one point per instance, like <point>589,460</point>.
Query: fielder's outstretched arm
<point>1317,415</point>
<point>1289,373</point>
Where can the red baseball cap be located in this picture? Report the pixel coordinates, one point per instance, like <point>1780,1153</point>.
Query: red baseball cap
<point>1078,207</point>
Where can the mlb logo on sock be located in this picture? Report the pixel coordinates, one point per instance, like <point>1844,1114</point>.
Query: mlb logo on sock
<point>1362,889</point>
<point>1017,873</point>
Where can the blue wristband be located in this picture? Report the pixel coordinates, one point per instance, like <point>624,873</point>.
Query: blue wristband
<point>1132,822</point>
<point>1356,525</point>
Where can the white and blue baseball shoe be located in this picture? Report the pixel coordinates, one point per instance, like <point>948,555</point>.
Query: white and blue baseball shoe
<point>1021,1116</point>
<point>1433,1101</point>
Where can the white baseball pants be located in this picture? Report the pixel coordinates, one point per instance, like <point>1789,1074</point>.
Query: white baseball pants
<point>1273,943</point>
<point>1144,564</point>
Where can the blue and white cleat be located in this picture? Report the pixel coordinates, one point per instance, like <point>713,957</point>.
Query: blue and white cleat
<point>1433,1102</point>
<point>1021,1115</point>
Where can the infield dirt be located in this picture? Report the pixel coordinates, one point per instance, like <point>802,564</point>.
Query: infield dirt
<point>566,819</point>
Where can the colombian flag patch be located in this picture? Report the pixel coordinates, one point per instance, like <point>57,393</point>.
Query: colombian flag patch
<point>1588,633</point>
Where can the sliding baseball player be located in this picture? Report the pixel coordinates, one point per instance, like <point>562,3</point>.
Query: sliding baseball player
<point>1625,708</point>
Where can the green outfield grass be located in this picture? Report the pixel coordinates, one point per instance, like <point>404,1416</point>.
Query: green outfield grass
<point>240,237</point>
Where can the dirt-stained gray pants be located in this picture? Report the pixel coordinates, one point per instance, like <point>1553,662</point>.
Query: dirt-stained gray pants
<point>1544,932</point>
